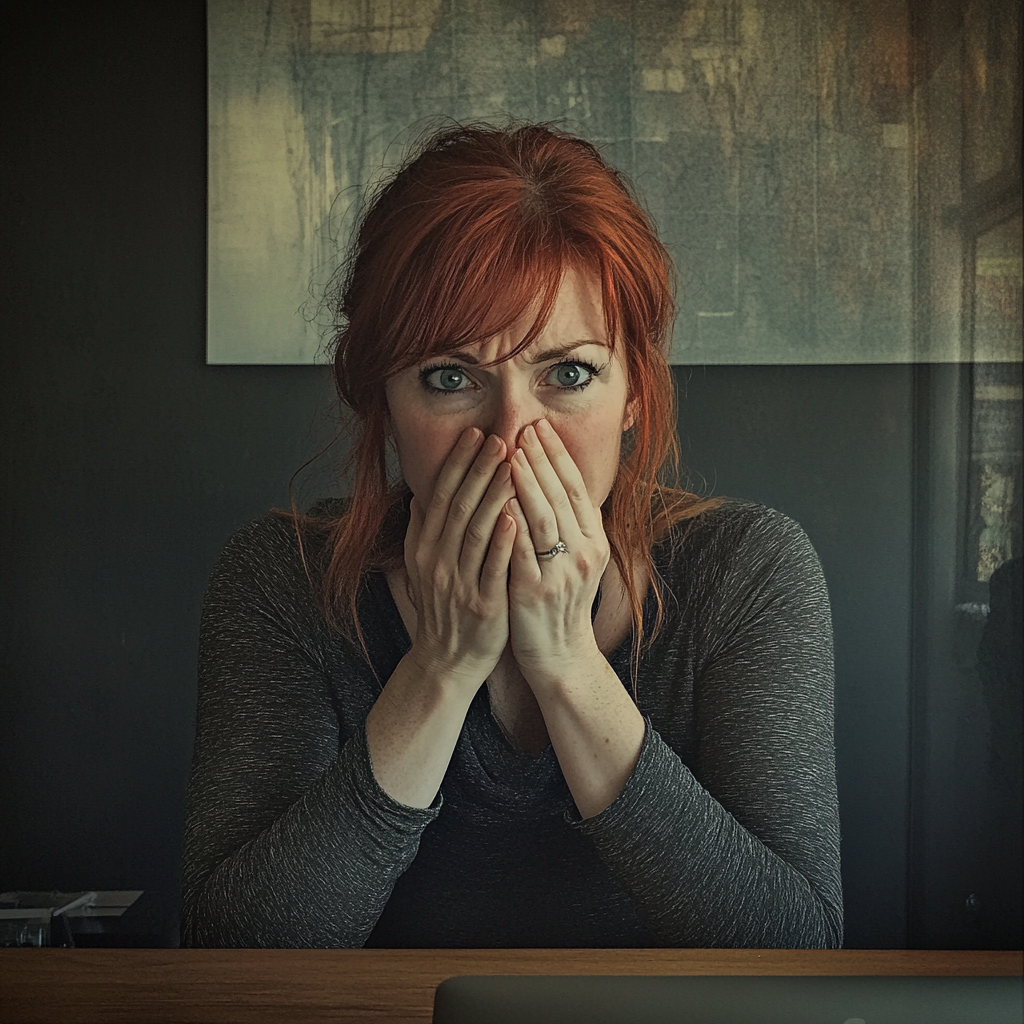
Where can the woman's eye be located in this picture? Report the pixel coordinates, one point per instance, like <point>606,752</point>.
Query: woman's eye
<point>446,378</point>
<point>571,375</point>
<point>453,379</point>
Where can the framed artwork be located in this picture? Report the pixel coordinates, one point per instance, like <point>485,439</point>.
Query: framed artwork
<point>776,146</point>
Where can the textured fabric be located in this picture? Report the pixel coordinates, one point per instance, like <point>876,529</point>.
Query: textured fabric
<point>726,833</point>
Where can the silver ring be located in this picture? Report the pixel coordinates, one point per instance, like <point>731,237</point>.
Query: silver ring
<point>558,549</point>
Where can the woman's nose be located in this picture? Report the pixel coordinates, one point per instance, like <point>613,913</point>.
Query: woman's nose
<point>510,415</point>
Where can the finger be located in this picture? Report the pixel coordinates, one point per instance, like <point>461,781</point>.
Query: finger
<point>524,556</point>
<point>448,481</point>
<point>481,527</point>
<point>561,480</point>
<point>545,529</point>
<point>412,538</point>
<point>494,574</point>
<point>465,504</point>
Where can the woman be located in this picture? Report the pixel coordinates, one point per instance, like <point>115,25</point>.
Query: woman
<point>526,696</point>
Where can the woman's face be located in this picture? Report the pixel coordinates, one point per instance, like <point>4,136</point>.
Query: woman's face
<point>568,375</point>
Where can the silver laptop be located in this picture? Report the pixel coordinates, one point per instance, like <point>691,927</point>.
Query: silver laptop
<point>533,999</point>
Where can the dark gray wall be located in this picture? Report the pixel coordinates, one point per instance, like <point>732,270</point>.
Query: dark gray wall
<point>127,463</point>
<point>832,447</point>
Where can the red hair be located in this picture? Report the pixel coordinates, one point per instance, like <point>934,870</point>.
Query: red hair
<point>454,248</point>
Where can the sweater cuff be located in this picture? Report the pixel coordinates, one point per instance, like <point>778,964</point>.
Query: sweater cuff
<point>623,810</point>
<point>380,812</point>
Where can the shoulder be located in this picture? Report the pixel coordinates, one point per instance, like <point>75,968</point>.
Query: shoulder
<point>273,565</point>
<point>281,542</point>
<point>739,555</point>
<point>745,596</point>
<point>267,545</point>
<point>736,530</point>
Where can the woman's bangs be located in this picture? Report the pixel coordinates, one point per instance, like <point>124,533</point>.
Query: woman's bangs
<point>488,298</point>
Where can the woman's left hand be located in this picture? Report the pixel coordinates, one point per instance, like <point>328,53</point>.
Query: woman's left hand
<point>550,599</point>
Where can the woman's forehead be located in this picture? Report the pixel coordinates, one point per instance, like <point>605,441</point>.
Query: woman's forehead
<point>576,318</point>
<point>540,350</point>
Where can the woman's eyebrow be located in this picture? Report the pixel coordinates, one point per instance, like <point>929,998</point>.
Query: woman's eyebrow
<point>540,357</point>
<point>563,350</point>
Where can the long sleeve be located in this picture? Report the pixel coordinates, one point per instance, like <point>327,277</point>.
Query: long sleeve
<point>730,835</point>
<point>289,840</point>
<point>726,833</point>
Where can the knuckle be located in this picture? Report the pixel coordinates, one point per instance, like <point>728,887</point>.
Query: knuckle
<point>462,508</point>
<point>562,503</point>
<point>546,525</point>
<point>438,500</point>
<point>483,468</point>
<point>476,534</point>
<point>592,561</point>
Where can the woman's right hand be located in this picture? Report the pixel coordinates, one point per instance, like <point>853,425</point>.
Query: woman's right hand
<point>457,553</point>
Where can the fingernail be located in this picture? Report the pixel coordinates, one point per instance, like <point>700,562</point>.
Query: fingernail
<point>520,457</point>
<point>544,428</point>
<point>493,445</point>
<point>470,437</point>
<point>530,435</point>
<point>514,507</point>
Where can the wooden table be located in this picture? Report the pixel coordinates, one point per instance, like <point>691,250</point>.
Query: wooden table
<point>298,986</point>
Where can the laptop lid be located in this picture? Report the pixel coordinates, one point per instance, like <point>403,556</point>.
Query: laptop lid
<point>547,999</point>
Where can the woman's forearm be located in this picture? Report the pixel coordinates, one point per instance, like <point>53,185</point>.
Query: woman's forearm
<point>412,730</point>
<point>594,727</point>
<point>318,873</point>
<point>700,874</point>
<point>321,872</point>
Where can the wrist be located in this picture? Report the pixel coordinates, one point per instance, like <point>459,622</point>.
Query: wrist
<point>555,668</point>
<point>450,672</point>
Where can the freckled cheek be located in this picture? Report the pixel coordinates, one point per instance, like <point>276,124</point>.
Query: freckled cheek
<point>422,453</point>
<point>596,454</point>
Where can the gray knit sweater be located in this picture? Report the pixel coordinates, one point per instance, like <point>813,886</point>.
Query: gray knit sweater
<point>726,833</point>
